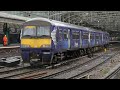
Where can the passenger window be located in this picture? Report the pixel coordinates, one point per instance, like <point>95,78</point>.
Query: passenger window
<point>97,36</point>
<point>101,37</point>
<point>104,37</point>
<point>65,33</point>
<point>60,34</point>
<point>75,35</point>
<point>92,36</point>
<point>85,35</point>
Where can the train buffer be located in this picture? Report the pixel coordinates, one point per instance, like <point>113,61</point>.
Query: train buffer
<point>10,61</point>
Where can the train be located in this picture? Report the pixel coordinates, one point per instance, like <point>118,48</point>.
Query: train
<point>45,41</point>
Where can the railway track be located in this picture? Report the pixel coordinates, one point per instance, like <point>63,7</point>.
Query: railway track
<point>33,76</point>
<point>84,74</point>
<point>38,73</point>
<point>22,75</point>
<point>58,75</point>
<point>113,73</point>
<point>7,71</point>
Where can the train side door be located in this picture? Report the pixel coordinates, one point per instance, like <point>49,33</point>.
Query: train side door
<point>102,38</point>
<point>92,39</point>
<point>80,38</point>
<point>60,34</point>
<point>85,39</point>
<point>65,39</point>
<point>69,39</point>
<point>97,39</point>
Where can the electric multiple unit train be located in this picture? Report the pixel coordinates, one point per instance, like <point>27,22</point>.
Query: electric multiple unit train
<point>46,41</point>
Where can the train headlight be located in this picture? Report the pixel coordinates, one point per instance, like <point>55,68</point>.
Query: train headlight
<point>25,46</point>
<point>46,46</point>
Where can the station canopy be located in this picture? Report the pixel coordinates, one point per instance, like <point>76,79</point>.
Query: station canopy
<point>103,20</point>
<point>9,18</point>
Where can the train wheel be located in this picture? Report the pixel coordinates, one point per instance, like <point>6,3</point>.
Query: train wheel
<point>89,52</point>
<point>84,52</point>
<point>78,54</point>
<point>81,52</point>
<point>54,61</point>
<point>75,54</point>
<point>61,57</point>
<point>66,55</point>
<point>32,64</point>
<point>92,51</point>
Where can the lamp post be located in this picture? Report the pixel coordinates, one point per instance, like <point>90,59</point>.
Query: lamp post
<point>98,24</point>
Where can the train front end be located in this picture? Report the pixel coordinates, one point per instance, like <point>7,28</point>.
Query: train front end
<point>36,43</point>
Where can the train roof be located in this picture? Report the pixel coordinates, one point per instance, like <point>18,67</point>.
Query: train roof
<point>63,24</point>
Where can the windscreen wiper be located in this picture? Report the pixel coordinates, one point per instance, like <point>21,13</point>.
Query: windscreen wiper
<point>44,36</point>
<point>28,36</point>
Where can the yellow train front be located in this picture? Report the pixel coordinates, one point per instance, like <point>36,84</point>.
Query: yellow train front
<point>36,43</point>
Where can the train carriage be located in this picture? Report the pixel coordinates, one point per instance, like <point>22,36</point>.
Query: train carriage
<point>47,41</point>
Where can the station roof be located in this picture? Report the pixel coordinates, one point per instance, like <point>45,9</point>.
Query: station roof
<point>5,17</point>
<point>105,20</point>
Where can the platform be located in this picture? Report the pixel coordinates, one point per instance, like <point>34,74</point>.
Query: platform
<point>10,46</point>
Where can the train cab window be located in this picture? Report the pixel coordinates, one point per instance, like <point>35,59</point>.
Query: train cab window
<point>29,31</point>
<point>43,30</point>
